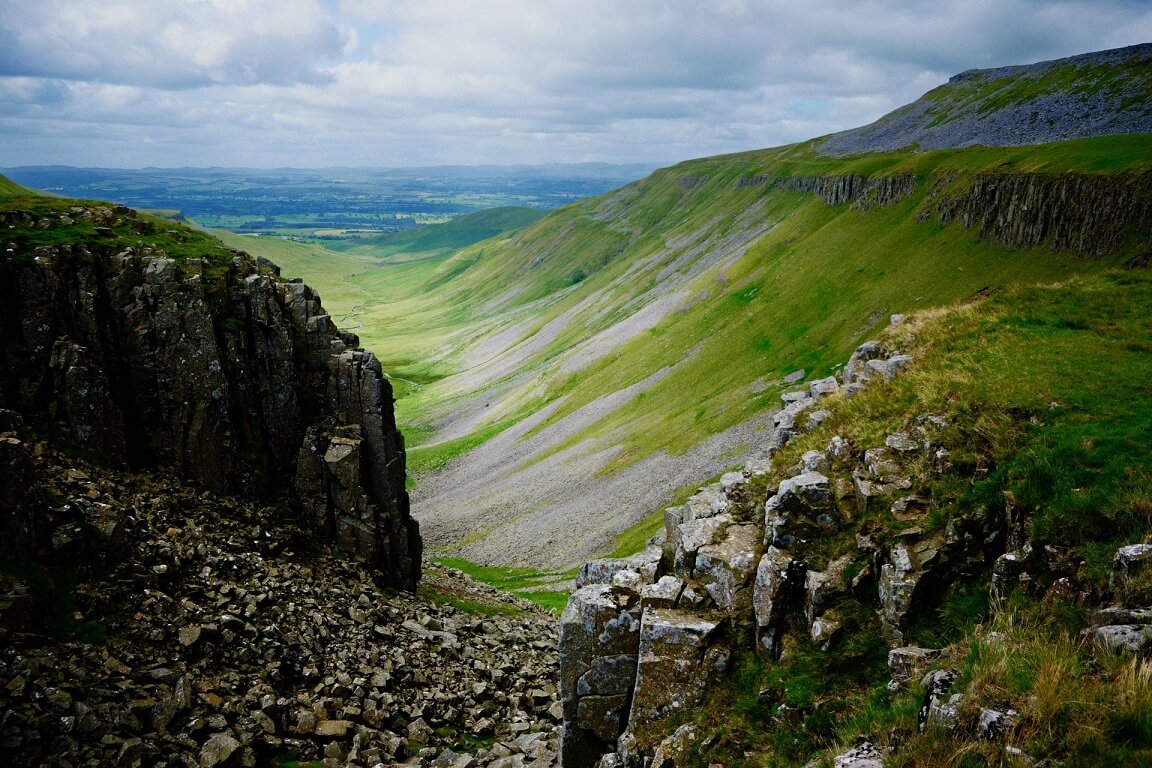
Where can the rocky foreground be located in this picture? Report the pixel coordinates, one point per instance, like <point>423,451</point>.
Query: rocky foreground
<point>205,632</point>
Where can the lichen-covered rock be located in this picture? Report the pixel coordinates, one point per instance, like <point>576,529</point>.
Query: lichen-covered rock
<point>678,659</point>
<point>938,708</point>
<point>1123,638</point>
<point>907,564</point>
<point>675,749</point>
<point>801,509</point>
<point>646,563</point>
<point>909,663</point>
<point>665,593</point>
<point>778,577</point>
<point>599,645</point>
<point>1127,562</point>
<point>866,755</point>
<point>687,538</point>
<point>725,569</point>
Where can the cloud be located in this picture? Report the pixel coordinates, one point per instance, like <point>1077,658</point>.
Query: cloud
<point>402,82</point>
<point>169,43</point>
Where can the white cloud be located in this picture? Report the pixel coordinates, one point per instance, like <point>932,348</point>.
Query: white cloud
<point>169,43</point>
<point>314,82</point>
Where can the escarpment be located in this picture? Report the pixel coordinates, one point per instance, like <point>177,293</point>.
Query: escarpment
<point>147,345</point>
<point>1091,215</point>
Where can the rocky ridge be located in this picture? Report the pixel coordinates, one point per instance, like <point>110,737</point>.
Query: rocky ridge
<point>1101,94</point>
<point>146,344</point>
<point>746,567</point>
<point>184,628</point>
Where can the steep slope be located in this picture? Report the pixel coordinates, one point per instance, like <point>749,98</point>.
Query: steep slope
<point>564,382</point>
<point>634,344</point>
<point>142,343</point>
<point>1095,94</point>
<point>948,565</point>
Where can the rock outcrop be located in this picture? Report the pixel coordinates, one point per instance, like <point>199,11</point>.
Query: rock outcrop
<point>152,347</point>
<point>643,638</point>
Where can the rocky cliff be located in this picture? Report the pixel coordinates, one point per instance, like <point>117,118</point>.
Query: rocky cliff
<point>143,344</point>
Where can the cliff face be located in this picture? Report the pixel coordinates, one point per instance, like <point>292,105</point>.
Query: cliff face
<point>1090,215</point>
<point>154,347</point>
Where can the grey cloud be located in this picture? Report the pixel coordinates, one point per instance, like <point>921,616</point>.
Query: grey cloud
<point>315,82</point>
<point>168,44</point>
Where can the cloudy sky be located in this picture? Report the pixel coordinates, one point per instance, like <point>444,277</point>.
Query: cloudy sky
<point>311,83</point>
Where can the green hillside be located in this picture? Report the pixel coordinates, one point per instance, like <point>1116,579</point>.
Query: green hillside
<point>9,188</point>
<point>459,232</point>
<point>700,288</point>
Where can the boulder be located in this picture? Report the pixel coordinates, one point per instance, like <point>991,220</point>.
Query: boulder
<point>1122,638</point>
<point>1127,563</point>
<point>909,663</point>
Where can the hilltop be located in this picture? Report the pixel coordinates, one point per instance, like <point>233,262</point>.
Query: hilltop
<point>1095,94</point>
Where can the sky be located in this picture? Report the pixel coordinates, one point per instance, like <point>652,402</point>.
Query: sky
<point>389,83</point>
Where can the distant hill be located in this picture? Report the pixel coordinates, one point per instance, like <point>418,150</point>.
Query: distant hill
<point>1094,94</point>
<point>451,235</point>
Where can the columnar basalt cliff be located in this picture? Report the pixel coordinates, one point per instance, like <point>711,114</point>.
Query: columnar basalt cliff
<point>148,345</point>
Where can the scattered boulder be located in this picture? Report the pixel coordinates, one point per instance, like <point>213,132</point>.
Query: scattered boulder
<point>866,755</point>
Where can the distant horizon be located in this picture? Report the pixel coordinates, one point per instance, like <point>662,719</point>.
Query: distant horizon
<point>584,164</point>
<point>309,84</point>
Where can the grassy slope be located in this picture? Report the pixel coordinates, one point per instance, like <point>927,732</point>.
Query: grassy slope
<point>801,297</point>
<point>814,283</point>
<point>9,188</point>
<point>1045,390</point>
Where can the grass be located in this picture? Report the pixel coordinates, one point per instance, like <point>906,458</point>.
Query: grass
<point>1075,472</point>
<point>522,582</point>
<point>9,188</point>
<point>802,293</point>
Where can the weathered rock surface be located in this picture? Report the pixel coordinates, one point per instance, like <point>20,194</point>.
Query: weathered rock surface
<point>209,365</point>
<point>1091,110</point>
